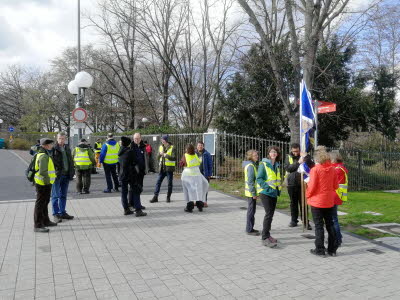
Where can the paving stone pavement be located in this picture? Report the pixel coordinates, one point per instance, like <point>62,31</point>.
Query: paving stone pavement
<point>169,254</point>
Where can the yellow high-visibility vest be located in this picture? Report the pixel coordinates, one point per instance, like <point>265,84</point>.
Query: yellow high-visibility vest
<point>192,160</point>
<point>342,190</point>
<point>290,162</point>
<point>112,154</point>
<point>247,192</point>
<point>168,163</point>
<point>273,179</point>
<point>98,145</point>
<point>81,157</point>
<point>50,170</point>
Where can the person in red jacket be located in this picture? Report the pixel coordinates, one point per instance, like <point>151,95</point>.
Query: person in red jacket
<point>323,183</point>
<point>341,172</point>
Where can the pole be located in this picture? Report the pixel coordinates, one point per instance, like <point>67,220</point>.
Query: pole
<point>79,62</point>
<point>316,123</point>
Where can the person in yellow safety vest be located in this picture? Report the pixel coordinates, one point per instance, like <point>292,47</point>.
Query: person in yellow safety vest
<point>341,192</point>
<point>250,166</point>
<point>83,161</point>
<point>269,188</point>
<point>167,160</point>
<point>45,176</point>
<point>97,150</point>
<point>109,159</point>
<point>194,184</point>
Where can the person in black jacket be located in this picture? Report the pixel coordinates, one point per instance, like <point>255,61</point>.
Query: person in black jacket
<point>65,171</point>
<point>128,176</point>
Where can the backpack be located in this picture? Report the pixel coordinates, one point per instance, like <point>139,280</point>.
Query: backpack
<point>30,171</point>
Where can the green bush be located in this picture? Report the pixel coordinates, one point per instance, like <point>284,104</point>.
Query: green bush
<point>19,144</point>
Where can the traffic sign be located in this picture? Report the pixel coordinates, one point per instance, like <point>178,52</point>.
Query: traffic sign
<point>11,129</point>
<point>79,114</point>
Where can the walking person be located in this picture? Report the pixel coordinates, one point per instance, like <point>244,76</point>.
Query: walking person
<point>206,163</point>
<point>340,195</point>
<point>141,169</point>
<point>44,178</point>
<point>64,166</point>
<point>250,166</point>
<point>109,159</point>
<point>269,182</point>
<point>320,196</point>
<point>84,161</point>
<point>167,160</point>
<point>194,184</point>
<point>97,149</point>
<point>128,177</point>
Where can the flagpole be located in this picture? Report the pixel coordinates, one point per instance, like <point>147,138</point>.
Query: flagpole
<point>316,123</point>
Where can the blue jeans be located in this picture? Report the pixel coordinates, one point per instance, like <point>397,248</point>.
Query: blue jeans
<point>336,224</point>
<point>161,176</point>
<point>59,192</point>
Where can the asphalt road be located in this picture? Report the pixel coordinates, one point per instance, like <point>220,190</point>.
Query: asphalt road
<point>14,186</point>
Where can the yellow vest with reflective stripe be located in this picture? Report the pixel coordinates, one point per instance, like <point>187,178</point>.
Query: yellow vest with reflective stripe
<point>290,162</point>
<point>247,192</point>
<point>192,160</point>
<point>50,170</point>
<point>81,157</point>
<point>98,145</point>
<point>112,154</point>
<point>168,163</point>
<point>342,190</point>
<point>273,179</point>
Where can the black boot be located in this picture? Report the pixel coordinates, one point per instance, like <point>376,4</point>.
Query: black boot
<point>127,211</point>
<point>200,205</point>
<point>168,198</point>
<point>154,200</point>
<point>140,213</point>
<point>189,207</point>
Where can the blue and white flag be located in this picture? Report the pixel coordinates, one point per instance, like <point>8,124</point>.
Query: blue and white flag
<point>307,119</point>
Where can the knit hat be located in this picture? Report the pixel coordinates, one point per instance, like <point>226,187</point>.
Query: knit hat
<point>125,141</point>
<point>46,141</point>
<point>165,137</point>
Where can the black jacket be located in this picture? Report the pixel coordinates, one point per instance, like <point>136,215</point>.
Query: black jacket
<point>58,163</point>
<point>294,177</point>
<point>143,161</point>
<point>128,163</point>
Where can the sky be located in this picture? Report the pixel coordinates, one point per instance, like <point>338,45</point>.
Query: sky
<point>32,32</point>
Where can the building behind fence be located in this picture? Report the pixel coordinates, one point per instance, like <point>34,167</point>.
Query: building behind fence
<point>368,170</point>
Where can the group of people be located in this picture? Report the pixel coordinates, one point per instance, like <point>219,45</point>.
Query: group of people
<point>125,165</point>
<point>326,188</point>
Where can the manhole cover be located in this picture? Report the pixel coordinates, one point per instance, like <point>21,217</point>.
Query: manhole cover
<point>308,236</point>
<point>376,251</point>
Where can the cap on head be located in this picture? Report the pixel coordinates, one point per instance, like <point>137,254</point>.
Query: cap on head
<point>83,141</point>
<point>125,141</point>
<point>110,135</point>
<point>46,141</point>
<point>165,137</point>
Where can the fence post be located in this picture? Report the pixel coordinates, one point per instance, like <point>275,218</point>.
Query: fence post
<point>359,170</point>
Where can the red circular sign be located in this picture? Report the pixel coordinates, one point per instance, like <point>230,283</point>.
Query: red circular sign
<point>79,114</point>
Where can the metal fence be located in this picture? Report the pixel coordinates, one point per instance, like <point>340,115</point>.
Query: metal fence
<point>368,170</point>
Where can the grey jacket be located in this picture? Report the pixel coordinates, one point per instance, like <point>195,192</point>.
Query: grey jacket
<point>251,177</point>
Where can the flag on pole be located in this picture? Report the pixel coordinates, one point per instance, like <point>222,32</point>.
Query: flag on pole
<point>307,119</point>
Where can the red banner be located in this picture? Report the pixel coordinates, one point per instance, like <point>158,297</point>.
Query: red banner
<point>326,107</point>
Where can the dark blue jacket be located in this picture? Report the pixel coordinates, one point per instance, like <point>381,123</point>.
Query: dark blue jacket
<point>207,163</point>
<point>103,151</point>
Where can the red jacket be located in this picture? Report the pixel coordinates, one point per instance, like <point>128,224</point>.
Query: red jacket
<point>341,180</point>
<point>323,183</point>
<point>149,149</point>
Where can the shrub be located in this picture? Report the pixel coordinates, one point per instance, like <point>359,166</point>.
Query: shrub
<point>20,144</point>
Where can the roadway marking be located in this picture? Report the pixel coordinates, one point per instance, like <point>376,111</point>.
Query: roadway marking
<point>23,160</point>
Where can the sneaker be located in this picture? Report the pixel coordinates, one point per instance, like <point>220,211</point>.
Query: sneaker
<point>168,199</point>
<point>57,219</point>
<point>66,216</point>
<point>143,207</point>
<point>315,252</point>
<point>254,233</point>
<point>154,200</point>
<point>332,254</point>
<point>107,191</point>
<point>140,213</point>
<point>292,224</point>
<point>86,192</point>
<point>268,243</point>
<point>41,229</point>
<point>51,224</point>
<point>188,210</point>
<point>273,240</point>
<point>128,212</point>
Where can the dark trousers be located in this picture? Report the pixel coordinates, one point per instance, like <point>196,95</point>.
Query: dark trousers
<point>59,193</point>
<point>134,195</point>
<point>41,213</point>
<point>269,204</point>
<point>295,202</point>
<point>321,215</point>
<point>161,176</point>
<point>111,172</point>
<point>251,211</point>
<point>336,224</point>
<point>83,179</point>
<point>136,190</point>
